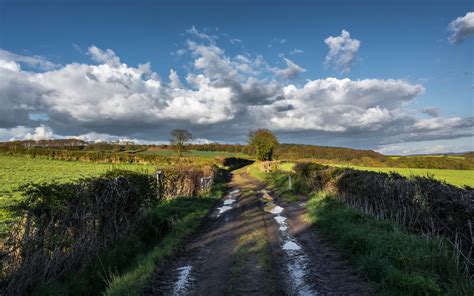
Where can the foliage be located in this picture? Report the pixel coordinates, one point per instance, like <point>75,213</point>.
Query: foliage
<point>194,153</point>
<point>264,141</point>
<point>129,261</point>
<point>422,204</point>
<point>179,139</point>
<point>399,263</point>
<point>64,226</point>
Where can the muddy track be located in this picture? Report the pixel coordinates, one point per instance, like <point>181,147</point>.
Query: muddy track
<point>255,244</point>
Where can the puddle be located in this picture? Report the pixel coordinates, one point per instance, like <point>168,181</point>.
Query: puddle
<point>282,222</point>
<point>298,263</point>
<point>183,279</point>
<point>228,202</point>
<point>233,192</point>
<point>291,246</point>
<point>273,209</point>
<point>223,209</point>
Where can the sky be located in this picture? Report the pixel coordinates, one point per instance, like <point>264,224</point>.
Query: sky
<point>392,76</point>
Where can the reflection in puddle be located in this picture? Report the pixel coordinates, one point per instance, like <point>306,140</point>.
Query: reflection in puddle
<point>183,279</point>
<point>228,201</point>
<point>223,209</point>
<point>298,263</point>
<point>291,246</point>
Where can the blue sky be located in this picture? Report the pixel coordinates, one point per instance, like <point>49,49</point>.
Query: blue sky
<point>404,41</point>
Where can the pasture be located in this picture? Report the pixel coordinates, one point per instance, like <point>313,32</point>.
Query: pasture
<point>17,170</point>
<point>458,178</point>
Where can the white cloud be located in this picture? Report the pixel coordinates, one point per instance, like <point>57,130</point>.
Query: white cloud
<point>107,56</point>
<point>339,105</point>
<point>33,61</point>
<point>461,28</point>
<point>193,31</point>
<point>220,94</point>
<point>342,51</point>
<point>174,79</point>
<point>296,51</point>
<point>41,132</point>
<point>291,71</point>
<point>428,147</point>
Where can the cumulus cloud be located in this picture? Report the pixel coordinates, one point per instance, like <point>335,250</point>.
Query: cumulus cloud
<point>221,95</point>
<point>291,71</point>
<point>175,82</point>
<point>461,28</point>
<point>339,105</point>
<point>13,61</point>
<point>107,56</point>
<point>342,51</point>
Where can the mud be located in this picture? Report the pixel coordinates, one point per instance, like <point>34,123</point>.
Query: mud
<point>253,243</point>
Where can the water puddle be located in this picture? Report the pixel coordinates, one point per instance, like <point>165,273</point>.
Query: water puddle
<point>229,199</point>
<point>298,263</point>
<point>223,209</point>
<point>291,246</point>
<point>183,280</point>
<point>228,202</point>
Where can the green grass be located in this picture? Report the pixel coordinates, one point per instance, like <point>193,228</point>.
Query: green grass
<point>17,170</point>
<point>195,153</point>
<point>454,177</point>
<point>286,166</point>
<point>398,262</point>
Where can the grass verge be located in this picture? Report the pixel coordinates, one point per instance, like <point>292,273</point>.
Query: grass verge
<point>398,262</point>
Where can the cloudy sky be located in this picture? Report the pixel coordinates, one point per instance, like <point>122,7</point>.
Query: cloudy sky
<point>393,76</point>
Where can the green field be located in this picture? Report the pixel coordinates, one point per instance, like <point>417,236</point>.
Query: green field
<point>196,153</point>
<point>455,177</point>
<point>16,171</point>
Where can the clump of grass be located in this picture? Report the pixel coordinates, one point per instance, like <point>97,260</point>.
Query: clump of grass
<point>399,262</point>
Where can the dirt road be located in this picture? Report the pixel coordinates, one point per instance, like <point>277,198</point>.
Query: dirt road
<point>255,244</point>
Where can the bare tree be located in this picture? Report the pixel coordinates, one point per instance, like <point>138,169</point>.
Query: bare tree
<point>179,139</point>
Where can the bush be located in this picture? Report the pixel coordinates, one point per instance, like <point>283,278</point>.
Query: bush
<point>425,205</point>
<point>64,226</point>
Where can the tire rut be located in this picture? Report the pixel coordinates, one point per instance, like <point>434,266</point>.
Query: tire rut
<point>246,249</point>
